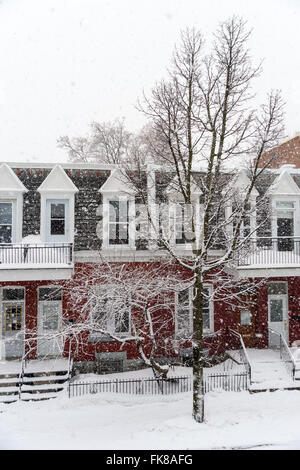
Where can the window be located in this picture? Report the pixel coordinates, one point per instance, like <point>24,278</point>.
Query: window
<point>6,222</point>
<point>277,288</point>
<point>50,293</point>
<point>184,323</point>
<point>57,219</point>
<point>118,222</point>
<point>183,223</point>
<point>246,318</point>
<point>12,306</point>
<point>245,227</point>
<point>50,305</point>
<point>285,224</point>
<point>184,311</point>
<point>111,310</point>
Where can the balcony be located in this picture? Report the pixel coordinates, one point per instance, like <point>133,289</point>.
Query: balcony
<point>36,261</point>
<point>271,252</point>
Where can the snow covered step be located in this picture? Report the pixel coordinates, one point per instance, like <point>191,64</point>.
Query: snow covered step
<point>46,378</point>
<point>38,396</point>
<point>36,387</point>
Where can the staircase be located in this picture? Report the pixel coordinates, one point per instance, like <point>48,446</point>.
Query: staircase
<point>39,379</point>
<point>269,371</point>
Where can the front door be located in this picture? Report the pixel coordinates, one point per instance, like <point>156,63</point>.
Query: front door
<point>12,322</point>
<point>278,317</point>
<point>49,322</point>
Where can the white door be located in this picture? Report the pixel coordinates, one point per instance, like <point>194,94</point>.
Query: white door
<point>278,317</point>
<point>57,221</point>
<point>49,328</point>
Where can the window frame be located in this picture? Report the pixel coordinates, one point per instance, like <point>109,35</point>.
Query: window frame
<point>130,200</point>
<point>209,287</point>
<point>111,322</point>
<point>17,302</point>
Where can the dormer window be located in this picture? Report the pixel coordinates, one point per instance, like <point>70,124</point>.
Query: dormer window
<point>118,226</point>
<point>57,207</point>
<point>57,220</point>
<point>11,206</point>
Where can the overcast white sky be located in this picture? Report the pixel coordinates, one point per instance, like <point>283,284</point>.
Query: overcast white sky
<point>65,63</point>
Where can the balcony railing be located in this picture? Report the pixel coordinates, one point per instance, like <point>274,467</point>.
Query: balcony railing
<point>268,251</point>
<point>28,255</point>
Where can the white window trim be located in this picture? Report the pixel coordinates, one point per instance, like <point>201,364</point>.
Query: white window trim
<point>44,214</point>
<point>296,211</point>
<point>211,309</point>
<point>107,197</point>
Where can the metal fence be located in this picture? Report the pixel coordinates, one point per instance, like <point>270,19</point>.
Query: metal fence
<point>158,386</point>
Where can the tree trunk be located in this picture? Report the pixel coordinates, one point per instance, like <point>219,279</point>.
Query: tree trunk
<point>198,378</point>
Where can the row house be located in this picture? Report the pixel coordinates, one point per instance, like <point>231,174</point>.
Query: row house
<point>59,221</point>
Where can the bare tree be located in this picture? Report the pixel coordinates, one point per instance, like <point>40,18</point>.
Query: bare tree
<point>202,117</point>
<point>108,142</point>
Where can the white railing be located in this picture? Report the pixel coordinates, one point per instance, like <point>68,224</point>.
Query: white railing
<point>32,254</point>
<point>285,352</point>
<point>270,251</point>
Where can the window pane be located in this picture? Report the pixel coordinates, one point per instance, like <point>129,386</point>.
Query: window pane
<point>245,317</point>
<point>13,317</point>
<point>122,323</point>
<point>5,233</point>
<point>206,310</point>
<point>276,310</point>
<point>275,288</point>
<point>50,293</point>
<point>57,227</point>
<point>183,297</point>
<point>50,316</point>
<point>57,211</point>
<point>113,211</point>
<point>284,205</point>
<point>183,320</point>
<point>5,212</point>
<point>13,293</point>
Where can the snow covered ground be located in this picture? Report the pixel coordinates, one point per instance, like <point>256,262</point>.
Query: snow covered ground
<point>233,420</point>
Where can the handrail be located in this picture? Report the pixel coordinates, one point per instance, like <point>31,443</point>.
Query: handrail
<point>69,358</point>
<point>21,374</point>
<point>285,352</point>
<point>243,355</point>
